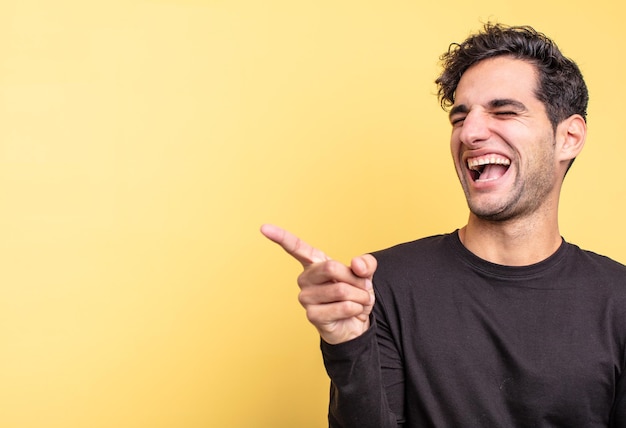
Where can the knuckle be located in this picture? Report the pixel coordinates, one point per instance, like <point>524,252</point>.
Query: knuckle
<point>349,308</point>
<point>302,298</point>
<point>304,279</point>
<point>341,291</point>
<point>301,281</point>
<point>331,268</point>
<point>313,316</point>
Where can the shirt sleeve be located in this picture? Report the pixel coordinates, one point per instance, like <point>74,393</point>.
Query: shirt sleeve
<point>367,386</point>
<point>618,414</point>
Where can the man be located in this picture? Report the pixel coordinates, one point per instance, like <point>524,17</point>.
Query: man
<point>501,323</point>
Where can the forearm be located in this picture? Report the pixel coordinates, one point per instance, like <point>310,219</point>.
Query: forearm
<point>618,414</point>
<point>358,397</point>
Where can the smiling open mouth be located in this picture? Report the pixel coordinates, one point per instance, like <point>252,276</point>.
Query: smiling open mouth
<point>488,167</point>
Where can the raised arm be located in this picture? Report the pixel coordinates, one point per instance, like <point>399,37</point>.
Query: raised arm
<point>338,300</point>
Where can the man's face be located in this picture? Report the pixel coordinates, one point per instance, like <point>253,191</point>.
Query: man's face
<point>502,142</point>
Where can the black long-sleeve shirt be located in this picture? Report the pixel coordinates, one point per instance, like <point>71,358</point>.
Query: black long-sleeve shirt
<point>457,341</point>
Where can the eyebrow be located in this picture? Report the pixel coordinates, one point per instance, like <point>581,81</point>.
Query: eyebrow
<point>461,108</point>
<point>496,103</point>
<point>506,102</point>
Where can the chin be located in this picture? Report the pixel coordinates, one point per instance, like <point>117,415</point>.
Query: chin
<point>491,213</point>
<point>493,216</point>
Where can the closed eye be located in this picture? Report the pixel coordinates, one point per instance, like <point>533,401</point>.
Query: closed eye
<point>457,120</point>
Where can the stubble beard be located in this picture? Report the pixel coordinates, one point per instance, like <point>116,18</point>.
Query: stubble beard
<point>527,195</point>
<point>524,200</point>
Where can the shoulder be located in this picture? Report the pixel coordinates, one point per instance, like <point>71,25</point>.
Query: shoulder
<point>597,269</point>
<point>416,258</point>
<point>595,261</point>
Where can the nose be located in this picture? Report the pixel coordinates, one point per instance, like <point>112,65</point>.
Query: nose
<point>475,128</point>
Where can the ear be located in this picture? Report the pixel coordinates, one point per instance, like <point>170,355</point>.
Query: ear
<point>570,138</point>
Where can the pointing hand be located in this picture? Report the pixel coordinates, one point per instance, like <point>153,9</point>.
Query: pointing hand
<point>338,299</point>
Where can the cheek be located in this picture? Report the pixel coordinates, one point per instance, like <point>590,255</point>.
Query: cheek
<point>455,144</point>
<point>456,148</point>
<point>456,161</point>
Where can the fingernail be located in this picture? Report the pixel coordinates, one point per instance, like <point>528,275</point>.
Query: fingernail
<point>368,285</point>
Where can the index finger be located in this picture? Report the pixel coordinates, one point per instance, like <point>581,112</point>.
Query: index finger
<point>294,246</point>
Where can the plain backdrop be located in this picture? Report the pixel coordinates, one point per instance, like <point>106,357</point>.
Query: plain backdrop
<point>143,143</point>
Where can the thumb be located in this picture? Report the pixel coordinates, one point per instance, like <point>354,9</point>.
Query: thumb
<point>364,266</point>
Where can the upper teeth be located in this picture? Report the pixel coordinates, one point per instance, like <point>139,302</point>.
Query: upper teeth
<point>474,163</point>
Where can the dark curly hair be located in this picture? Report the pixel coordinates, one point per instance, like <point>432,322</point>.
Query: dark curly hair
<point>560,88</point>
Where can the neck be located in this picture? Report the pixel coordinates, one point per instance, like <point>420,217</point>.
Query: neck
<point>518,242</point>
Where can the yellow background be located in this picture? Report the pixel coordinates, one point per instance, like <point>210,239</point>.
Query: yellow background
<point>143,143</point>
